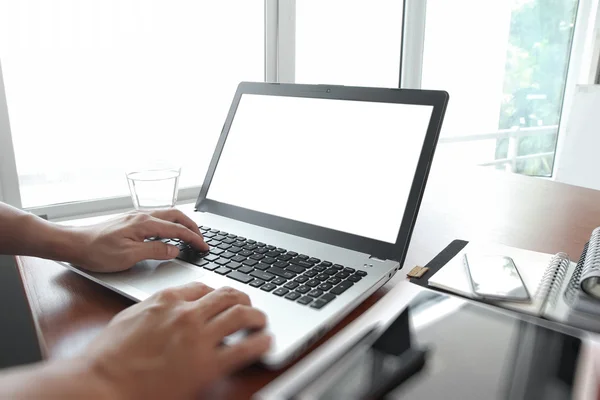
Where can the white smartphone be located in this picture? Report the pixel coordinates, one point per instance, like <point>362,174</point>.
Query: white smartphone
<point>495,277</point>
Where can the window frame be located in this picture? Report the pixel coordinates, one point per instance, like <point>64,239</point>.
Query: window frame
<point>279,66</point>
<point>10,192</point>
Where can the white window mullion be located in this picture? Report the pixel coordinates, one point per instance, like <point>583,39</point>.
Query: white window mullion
<point>271,23</point>
<point>286,41</point>
<point>413,43</point>
<point>587,23</point>
<point>9,179</point>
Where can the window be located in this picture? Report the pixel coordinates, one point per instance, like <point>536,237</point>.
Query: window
<point>506,82</point>
<point>96,87</point>
<point>348,42</point>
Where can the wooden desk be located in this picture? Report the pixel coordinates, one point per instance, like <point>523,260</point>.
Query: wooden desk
<point>531,213</point>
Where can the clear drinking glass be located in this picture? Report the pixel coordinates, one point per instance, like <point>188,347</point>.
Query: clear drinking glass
<point>153,189</point>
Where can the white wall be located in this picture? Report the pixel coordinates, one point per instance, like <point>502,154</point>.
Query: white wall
<point>580,156</point>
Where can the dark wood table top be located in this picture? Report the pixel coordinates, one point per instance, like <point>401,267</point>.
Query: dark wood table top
<point>476,203</point>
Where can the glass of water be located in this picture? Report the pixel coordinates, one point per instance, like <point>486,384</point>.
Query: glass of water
<point>153,189</point>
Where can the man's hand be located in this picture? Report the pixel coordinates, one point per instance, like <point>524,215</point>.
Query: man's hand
<point>118,244</point>
<point>171,345</point>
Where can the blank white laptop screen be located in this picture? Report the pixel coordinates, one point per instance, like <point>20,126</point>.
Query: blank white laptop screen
<point>338,164</point>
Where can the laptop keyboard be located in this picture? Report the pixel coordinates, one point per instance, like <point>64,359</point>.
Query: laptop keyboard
<point>296,277</point>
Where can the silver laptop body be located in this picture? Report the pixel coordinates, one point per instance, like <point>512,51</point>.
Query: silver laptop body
<point>317,178</point>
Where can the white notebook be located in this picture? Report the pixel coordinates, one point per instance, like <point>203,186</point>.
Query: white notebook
<point>554,281</point>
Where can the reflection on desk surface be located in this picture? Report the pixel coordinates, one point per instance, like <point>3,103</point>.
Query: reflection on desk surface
<point>471,353</point>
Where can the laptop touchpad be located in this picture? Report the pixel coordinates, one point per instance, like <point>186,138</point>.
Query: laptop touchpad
<point>152,276</point>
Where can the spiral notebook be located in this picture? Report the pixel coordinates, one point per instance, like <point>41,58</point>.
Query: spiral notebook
<point>562,290</point>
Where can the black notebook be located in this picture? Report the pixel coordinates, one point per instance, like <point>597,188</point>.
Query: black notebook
<point>562,290</point>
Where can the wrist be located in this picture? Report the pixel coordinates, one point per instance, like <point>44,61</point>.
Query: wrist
<point>58,242</point>
<point>95,379</point>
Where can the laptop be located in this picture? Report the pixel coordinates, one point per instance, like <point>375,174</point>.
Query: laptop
<point>308,204</point>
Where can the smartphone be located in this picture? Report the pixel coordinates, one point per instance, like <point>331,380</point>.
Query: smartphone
<point>495,277</point>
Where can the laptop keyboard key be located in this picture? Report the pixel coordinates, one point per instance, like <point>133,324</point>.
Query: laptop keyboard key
<point>238,276</point>
<point>292,296</point>
<point>281,291</point>
<point>257,257</point>
<point>278,281</point>
<point>354,278</point>
<point>330,271</point>
<point>301,279</point>
<point>260,250</point>
<point>334,281</point>
<point>319,268</point>
<point>280,264</point>
<point>313,283</point>
<point>211,266</point>
<point>219,237</point>
<point>235,249</point>
<point>222,271</point>
<point>305,300</point>
<point>294,268</point>
<point>322,277</point>
<point>315,293</point>
<point>216,251</point>
<point>211,257</point>
<point>246,269</point>
<point>326,264</point>
<point>325,286</point>
<point>245,253</point>
<point>199,262</point>
<point>250,262</point>
<point>222,261</point>
<point>250,241</point>
<point>292,253</point>
<point>257,283</point>
<point>313,260</point>
<point>265,276</point>
<point>328,297</point>
<point>227,255</point>
<point>303,289</point>
<point>282,273</point>
<point>272,253</point>
<point>291,285</point>
<point>267,287</point>
<point>303,256</point>
<point>262,266</point>
<point>268,260</point>
<point>285,257</point>
<point>341,288</point>
<point>233,265</point>
<point>224,246</point>
<point>310,274</point>
<point>238,258</point>
<point>338,267</point>
<point>351,270</point>
<point>302,263</point>
<point>342,275</point>
<point>229,241</point>
<point>361,273</point>
<point>318,304</point>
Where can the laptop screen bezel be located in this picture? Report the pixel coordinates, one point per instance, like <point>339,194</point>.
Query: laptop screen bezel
<point>383,250</point>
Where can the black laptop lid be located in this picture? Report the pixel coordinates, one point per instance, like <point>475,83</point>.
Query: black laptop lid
<point>341,165</point>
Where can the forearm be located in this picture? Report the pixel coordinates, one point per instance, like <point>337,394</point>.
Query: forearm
<point>65,379</point>
<point>23,233</point>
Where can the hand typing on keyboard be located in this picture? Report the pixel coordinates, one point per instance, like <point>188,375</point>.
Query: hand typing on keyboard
<point>118,244</point>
